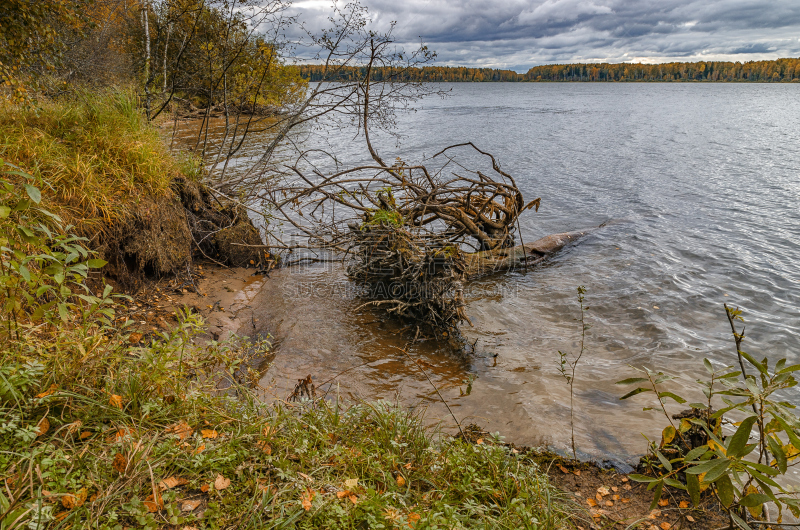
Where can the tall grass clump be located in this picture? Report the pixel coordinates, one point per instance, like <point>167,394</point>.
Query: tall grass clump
<point>100,431</point>
<point>94,151</point>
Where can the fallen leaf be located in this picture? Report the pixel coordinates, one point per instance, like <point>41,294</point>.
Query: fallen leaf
<point>602,490</point>
<point>120,463</point>
<point>172,482</point>
<point>598,497</point>
<point>209,433</point>
<point>663,502</point>
<point>343,494</point>
<point>49,391</point>
<point>204,488</point>
<point>70,501</point>
<point>42,427</point>
<point>614,489</point>
<point>305,476</point>
<point>353,499</point>
<point>626,487</point>
<point>665,526</point>
<point>479,441</point>
<point>61,516</point>
<point>413,517</point>
<point>265,447</point>
<point>615,497</point>
<point>563,469</point>
<point>306,498</point>
<point>351,483</point>
<point>625,501</point>
<point>134,338</point>
<point>221,483</point>
<point>199,449</point>
<point>408,466</point>
<point>154,505</point>
<point>624,479</point>
<point>577,472</point>
<point>690,518</point>
<point>401,481</point>
<point>188,506</point>
<point>591,502</point>
<point>181,429</point>
<point>74,427</point>
<point>684,504</point>
<point>115,401</point>
<point>85,435</point>
<point>609,503</point>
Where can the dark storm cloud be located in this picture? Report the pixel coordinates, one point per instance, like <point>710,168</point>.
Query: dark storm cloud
<point>519,34</point>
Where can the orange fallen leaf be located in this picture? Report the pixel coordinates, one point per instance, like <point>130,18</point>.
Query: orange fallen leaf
<point>61,516</point>
<point>209,433</point>
<point>85,435</point>
<point>563,469</point>
<point>49,391</point>
<point>665,526</point>
<point>624,479</point>
<point>353,499</point>
<point>401,481</point>
<point>598,497</point>
<point>265,447</point>
<point>577,472</point>
<point>479,441</point>
<point>204,488</point>
<point>609,503</point>
<point>120,463</point>
<point>343,494</point>
<point>591,502</point>
<point>602,490</point>
<point>614,489</point>
<point>625,501</point>
<point>181,429</point>
<point>221,483</point>
<point>70,501</point>
<point>115,401</point>
<point>199,449</point>
<point>408,466</point>
<point>684,504</point>
<point>690,518</point>
<point>188,506</point>
<point>154,504</point>
<point>663,502</point>
<point>615,497</point>
<point>42,427</point>
<point>413,517</point>
<point>306,498</point>
<point>172,482</point>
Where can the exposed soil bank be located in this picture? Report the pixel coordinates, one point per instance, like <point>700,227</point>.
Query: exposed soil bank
<point>162,236</point>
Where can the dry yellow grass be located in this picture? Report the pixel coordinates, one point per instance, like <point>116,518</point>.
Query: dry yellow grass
<point>95,152</point>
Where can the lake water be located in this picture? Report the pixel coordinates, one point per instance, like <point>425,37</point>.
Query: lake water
<point>703,184</point>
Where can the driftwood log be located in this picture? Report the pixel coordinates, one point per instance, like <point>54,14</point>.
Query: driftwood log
<point>518,257</point>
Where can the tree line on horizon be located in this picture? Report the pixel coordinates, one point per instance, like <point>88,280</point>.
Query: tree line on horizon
<point>779,70</point>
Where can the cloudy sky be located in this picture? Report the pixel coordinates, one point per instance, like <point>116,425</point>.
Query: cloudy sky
<point>518,34</point>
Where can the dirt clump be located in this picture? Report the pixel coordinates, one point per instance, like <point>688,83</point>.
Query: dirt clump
<point>162,236</point>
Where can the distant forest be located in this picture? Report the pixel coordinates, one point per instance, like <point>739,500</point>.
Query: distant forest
<point>780,70</point>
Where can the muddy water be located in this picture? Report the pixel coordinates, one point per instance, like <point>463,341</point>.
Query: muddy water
<point>702,182</point>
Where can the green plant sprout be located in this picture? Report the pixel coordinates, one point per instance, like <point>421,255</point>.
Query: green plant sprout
<point>742,475</point>
<point>567,366</point>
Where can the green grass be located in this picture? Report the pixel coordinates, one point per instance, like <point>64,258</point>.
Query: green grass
<point>95,151</point>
